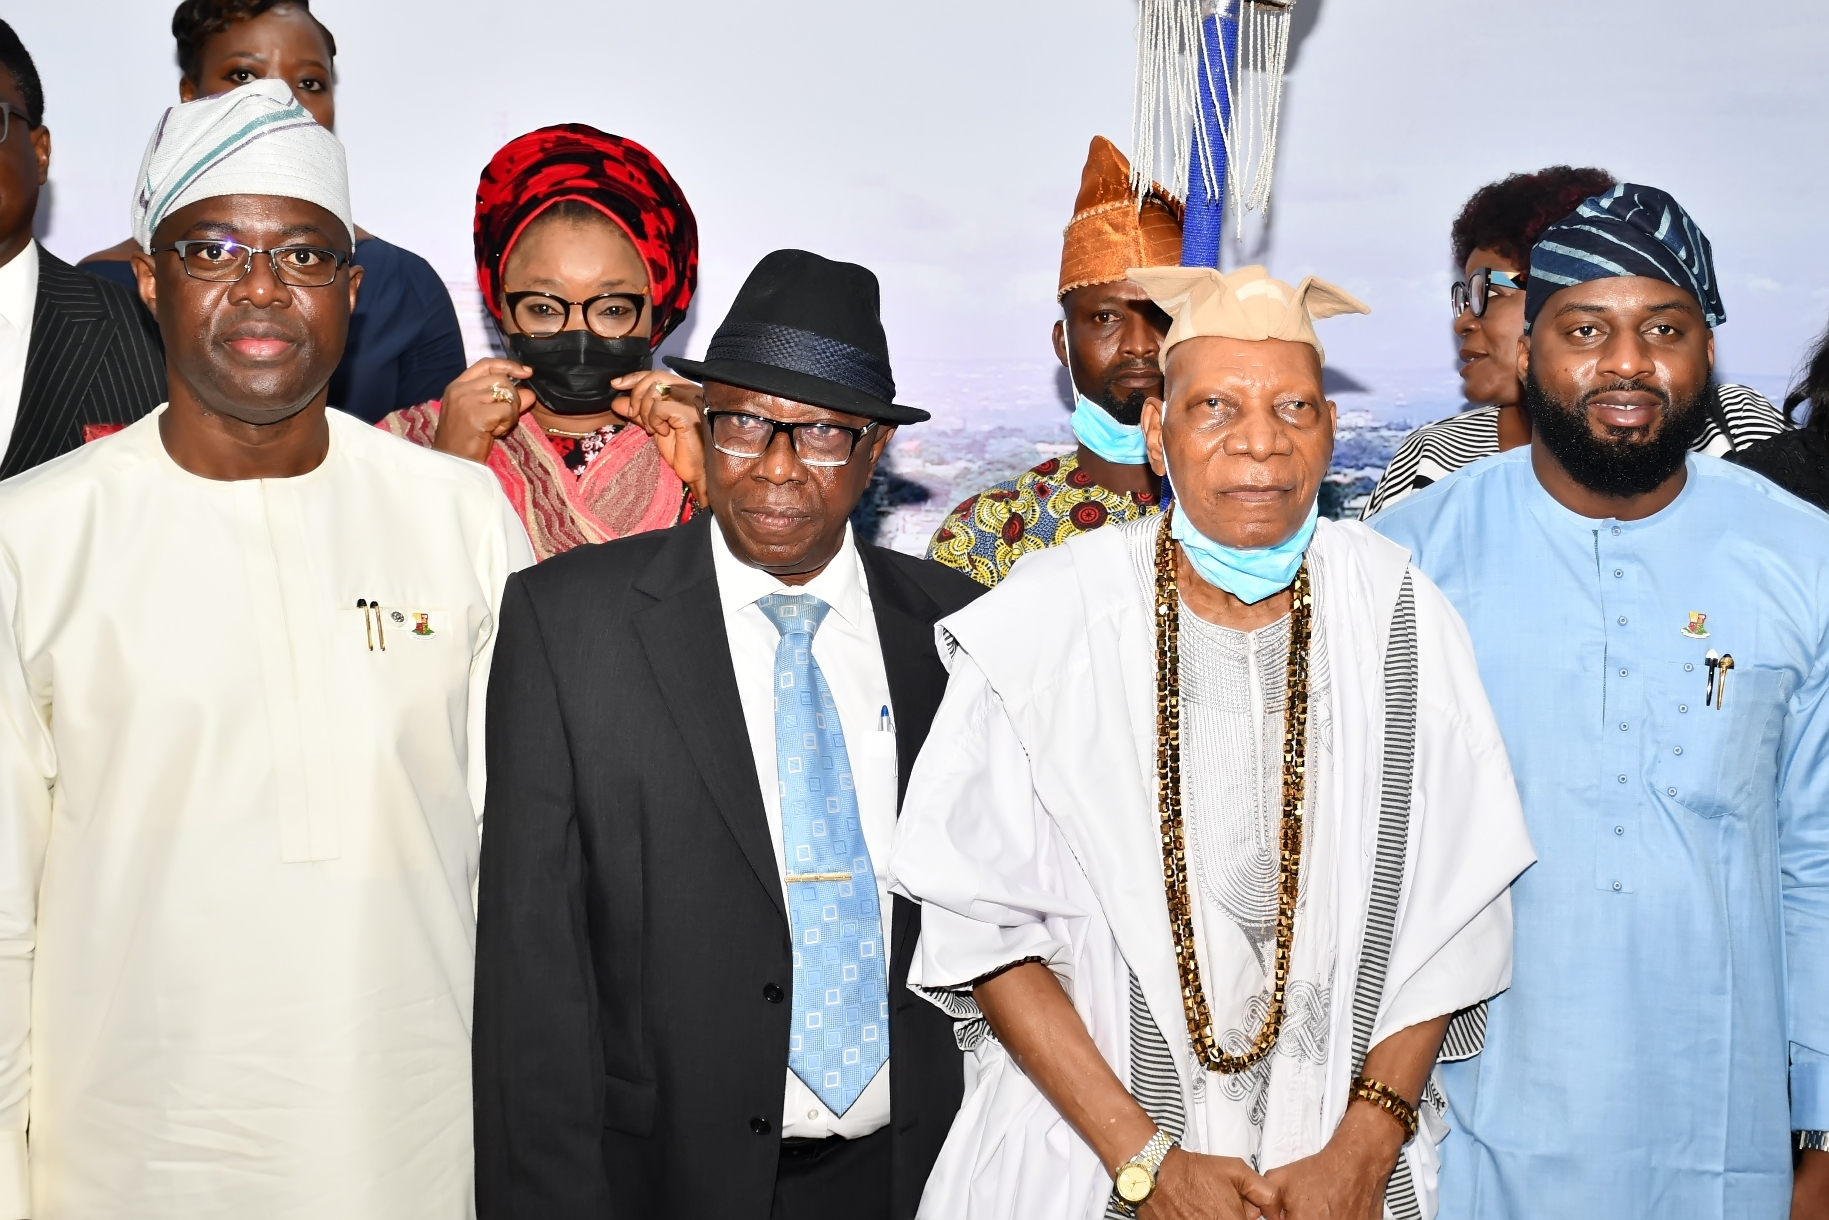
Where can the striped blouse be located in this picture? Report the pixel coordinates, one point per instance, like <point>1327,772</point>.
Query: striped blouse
<point>1437,450</point>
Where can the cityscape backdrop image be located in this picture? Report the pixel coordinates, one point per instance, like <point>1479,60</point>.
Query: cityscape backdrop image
<point>940,145</point>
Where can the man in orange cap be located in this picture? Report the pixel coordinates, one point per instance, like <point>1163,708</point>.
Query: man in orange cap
<point>1108,339</point>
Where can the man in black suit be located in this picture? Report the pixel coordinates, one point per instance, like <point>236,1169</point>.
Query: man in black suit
<point>79,357</point>
<point>698,741</point>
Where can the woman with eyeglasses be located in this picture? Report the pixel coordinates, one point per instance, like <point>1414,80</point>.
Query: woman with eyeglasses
<point>587,255</point>
<point>1492,239</point>
<point>404,343</point>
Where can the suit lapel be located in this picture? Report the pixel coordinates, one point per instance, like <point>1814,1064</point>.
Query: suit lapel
<point>68,331</point>
<point>687,648</point>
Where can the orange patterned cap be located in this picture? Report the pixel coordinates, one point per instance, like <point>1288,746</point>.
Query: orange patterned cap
<point>1110,231</point>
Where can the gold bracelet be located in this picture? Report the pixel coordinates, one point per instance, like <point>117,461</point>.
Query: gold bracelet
<point>1390,1101</point>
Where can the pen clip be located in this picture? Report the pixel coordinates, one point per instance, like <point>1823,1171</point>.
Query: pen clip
<point>368,625</point>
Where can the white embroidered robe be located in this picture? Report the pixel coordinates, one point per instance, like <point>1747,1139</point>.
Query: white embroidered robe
<point>1030,829</point>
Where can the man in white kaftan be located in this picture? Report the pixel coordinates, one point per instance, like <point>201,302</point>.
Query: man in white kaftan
<point>1030,833</point>
<point>241,759</point>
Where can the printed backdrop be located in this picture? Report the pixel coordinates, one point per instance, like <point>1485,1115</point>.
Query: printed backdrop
<point>940,144</point>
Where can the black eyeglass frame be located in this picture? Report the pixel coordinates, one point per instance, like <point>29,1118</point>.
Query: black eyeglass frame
<point>7,111</point>
<point>639,300</point>
<point>1474,292</point>
<point>778,426</point>
<point>339,260</point>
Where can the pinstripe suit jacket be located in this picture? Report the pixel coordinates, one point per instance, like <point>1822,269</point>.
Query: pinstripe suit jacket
<point>94,358</point>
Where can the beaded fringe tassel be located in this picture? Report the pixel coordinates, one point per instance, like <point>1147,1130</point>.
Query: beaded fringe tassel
<point>1168,136</point>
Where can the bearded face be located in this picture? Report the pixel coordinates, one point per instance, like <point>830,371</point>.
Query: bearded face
<point>1616,461</point>
<point>1616,376</point>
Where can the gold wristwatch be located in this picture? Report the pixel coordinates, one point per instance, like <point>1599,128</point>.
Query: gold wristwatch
<point>1135,1180</point>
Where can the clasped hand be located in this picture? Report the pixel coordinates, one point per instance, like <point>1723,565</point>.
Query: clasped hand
<point>1344,1181</point>
<point>1195,1186</point>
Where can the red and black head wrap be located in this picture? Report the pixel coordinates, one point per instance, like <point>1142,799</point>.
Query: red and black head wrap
<point>619,178</point>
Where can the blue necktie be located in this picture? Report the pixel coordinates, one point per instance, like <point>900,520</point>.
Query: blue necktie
<point>840,1032</point>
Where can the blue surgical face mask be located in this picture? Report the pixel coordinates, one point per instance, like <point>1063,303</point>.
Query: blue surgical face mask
<point>1249,574</point>
<point>1105,436</point>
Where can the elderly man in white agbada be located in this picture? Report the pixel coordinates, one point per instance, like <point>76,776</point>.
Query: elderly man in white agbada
<point>243,649</point>
<point>1214,830</point>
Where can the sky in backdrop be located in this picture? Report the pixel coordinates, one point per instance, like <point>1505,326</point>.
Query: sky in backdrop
<point>940,144</point>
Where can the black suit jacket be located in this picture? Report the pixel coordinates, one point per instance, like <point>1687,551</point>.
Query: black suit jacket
<point>629,1059</point>
<point>94,358</point>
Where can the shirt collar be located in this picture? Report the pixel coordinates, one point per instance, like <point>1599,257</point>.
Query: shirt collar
<point>840,585</point>
<point>19,287</point>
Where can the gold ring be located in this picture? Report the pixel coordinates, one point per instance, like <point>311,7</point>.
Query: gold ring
<point>501,393</point>
<point>666,389</point>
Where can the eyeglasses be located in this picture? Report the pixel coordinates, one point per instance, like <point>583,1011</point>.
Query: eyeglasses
<point>741,435</point>
<point>226,262</point>
<point>7,111</point>
<point>609,315</point>
<point>1474,293</point>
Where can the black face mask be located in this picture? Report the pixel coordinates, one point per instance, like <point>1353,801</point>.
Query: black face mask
<point>572,370</point>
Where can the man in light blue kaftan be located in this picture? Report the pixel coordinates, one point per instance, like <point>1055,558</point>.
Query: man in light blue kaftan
<point>1664,1048</point>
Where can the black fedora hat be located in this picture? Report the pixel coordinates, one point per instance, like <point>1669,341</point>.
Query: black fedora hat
<point>806,328</point>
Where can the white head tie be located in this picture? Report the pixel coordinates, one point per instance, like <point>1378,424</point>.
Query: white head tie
<point>252,140</point>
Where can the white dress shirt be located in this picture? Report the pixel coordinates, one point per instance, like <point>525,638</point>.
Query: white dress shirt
<point>18,300</point>
<point>849,654</point>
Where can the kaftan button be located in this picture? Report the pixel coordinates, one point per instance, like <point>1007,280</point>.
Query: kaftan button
<point>1616,531</point>
<point>1617,887</point>
<point>1622,620</point>
<point>1682,707</point>
<point>1688,666</point>
<point>1618,572</point>
<point>1619,830</point>
<point>1677,750</point>
<point>1622,779</point>
<point>1671,791</point>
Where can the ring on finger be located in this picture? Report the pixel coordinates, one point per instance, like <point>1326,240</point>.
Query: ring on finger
<point>665,389</point>
<point>501,393</point>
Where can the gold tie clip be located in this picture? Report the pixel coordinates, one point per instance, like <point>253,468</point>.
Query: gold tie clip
<point>793,877</point>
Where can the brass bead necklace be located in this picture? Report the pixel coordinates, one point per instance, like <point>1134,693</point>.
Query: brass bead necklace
<point>1174,843</point>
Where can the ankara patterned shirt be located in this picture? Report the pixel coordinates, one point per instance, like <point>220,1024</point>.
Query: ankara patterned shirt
<point>1668,1018</point>
<point>1039,508</point>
